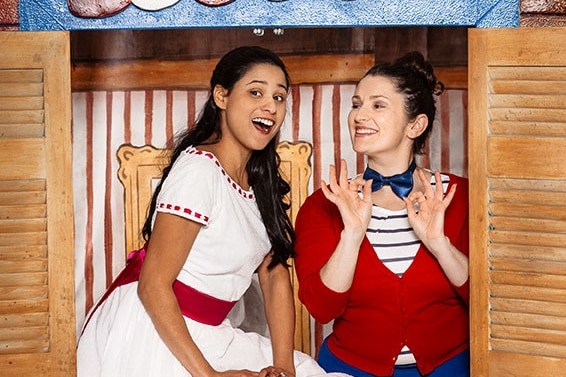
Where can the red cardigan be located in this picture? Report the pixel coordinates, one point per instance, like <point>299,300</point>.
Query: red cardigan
<point>382,312</point>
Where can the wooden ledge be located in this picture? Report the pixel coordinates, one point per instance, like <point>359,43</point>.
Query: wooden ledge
<point>194,74</point>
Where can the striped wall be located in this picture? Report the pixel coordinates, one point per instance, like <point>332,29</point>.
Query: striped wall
<point>104,120</point>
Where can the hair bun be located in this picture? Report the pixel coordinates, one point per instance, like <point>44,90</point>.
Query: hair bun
<point>417,63</point>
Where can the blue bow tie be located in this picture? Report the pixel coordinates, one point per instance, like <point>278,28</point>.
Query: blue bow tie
<point>401,184</point>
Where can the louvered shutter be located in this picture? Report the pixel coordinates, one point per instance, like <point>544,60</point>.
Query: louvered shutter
<point>517,171</point>
<point>37,320</point>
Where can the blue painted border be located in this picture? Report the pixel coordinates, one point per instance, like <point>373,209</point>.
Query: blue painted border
<point>55,15</point>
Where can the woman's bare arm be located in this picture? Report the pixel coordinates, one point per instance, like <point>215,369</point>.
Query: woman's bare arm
<point>280,313</point>
<point>168,248</point>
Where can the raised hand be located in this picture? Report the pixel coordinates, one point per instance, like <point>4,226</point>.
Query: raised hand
<point>426,210</point>
<point>351,196</point>
<point>428,224</point>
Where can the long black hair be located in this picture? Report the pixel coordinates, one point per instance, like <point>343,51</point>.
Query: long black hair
<point>262,168</point>
<point>414,78</point>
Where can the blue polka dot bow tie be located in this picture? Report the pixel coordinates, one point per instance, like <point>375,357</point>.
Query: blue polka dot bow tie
<point>401,184</point>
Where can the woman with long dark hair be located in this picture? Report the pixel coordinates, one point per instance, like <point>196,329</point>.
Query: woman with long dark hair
<point>217,216</point>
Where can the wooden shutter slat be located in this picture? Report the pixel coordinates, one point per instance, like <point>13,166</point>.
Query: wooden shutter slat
<point>535,211</point>
<point>13,320</point>
<point>528,279</point>
<point>21,89</point>
<point>529,320</point>
<point>525,251</point>
<point>527,86</point>
<point>27,346</point>
<point>22,185</point>
<point>540,307</point>
<point>21,75</point>
<point>533,293</point>
<point>22,198</point>
<point>527,224</point>
<point>30,332</point>
<point>525,114</point>
<point>19,251</point>
<point>528,196</point>
<point>23,279</point>
<point>21,103</point>
<point>24,306</point>
<point>529,334</point>
<point>21,116</point>
<point>23,226</point>
<point>528,265</point>
<point>528,238</point>
<point>515,345</point>
<point>527,101</point>
<point>520,127</point>
<point>20,265</point>
<point>22,130</point>
<point>33,238</point>
<point>527,184</point>
<point>11,293</point>
<point>527,73</point>
<point>23,212</point>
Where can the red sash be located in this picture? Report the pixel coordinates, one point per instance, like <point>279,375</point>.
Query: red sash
<point>194,304</point>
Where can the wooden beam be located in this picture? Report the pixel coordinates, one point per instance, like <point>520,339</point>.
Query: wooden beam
<point>453,77</point>
<point>194,74</point>
<point>318,69</point>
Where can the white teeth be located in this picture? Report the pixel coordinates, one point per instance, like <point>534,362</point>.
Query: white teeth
<point>365,131</point>
<point>265,122</point>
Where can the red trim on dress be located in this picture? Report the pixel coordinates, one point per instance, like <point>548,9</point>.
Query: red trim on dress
<point>235,186</point>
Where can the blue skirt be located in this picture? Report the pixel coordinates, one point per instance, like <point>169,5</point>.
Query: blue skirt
<point>458,366</point>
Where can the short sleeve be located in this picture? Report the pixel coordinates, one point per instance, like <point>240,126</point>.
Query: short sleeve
<point>189,189</point>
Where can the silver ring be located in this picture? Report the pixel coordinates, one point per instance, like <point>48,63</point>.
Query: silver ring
<point>282,374</point>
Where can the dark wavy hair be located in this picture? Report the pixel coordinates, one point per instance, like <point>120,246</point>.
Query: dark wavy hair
<point>263,167</point>
<point>414,78</point>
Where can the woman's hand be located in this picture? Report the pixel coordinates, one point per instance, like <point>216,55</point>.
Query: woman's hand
<point>428,224</point>
<point>426,210</point>
<point>272,371</point>
<point>354,207</point>
<point>355,211</point>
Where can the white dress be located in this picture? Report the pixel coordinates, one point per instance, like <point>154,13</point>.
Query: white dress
<point>120,339</point>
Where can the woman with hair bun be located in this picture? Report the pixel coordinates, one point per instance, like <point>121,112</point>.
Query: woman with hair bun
<point>384,255</point>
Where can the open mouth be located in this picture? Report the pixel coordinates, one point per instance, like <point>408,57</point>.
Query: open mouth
<point>264,125</point>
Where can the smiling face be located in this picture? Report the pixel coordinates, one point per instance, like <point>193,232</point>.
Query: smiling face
<point>378,124</point>
<point>255,107</point>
